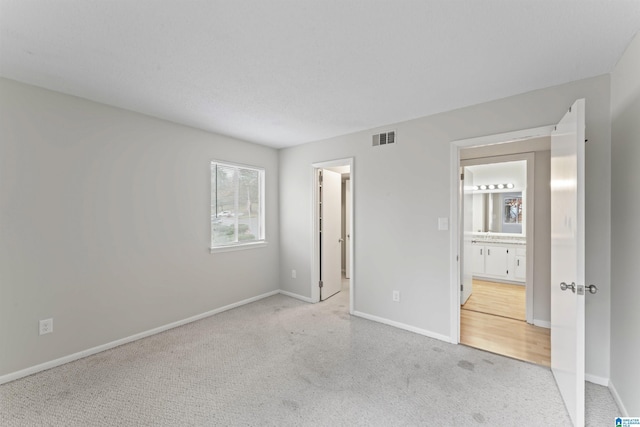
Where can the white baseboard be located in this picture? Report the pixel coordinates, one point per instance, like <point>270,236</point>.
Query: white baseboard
<point>542,323</point>
<point>403,326</point>
<point>617,399</point>
<point>296,296</point>
<point>596,379</point>
<point>79,355</point>
<point>500,280</point>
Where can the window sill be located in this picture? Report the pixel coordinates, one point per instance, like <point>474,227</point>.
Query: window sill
<point>238,247</point>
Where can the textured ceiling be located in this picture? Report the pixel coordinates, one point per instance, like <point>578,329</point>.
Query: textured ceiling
<point>282,73</point>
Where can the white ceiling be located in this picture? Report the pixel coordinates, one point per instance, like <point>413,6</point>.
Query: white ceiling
<point>282,73</point>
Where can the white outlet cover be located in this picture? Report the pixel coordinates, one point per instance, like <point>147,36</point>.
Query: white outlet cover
<point>46,326</point>
<point>443,224</point>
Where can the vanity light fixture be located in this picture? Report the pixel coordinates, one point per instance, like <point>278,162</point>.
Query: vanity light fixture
<point>493,187</point>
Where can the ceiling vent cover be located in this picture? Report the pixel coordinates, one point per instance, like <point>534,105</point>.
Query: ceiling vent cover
<point>384,138</point>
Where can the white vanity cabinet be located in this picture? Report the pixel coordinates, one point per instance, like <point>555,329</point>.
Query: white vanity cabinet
<point>520,269</point>
<point>499,261</point>
<point>478,258</point>
<point>496,261</point>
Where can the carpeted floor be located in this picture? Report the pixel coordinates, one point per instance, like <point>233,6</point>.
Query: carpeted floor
<point>283,362</point>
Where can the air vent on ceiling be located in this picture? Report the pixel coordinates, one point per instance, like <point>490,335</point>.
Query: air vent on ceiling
<point>384,138</point>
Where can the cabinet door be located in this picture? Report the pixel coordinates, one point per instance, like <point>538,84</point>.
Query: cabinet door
<point>521,268</point>
<point>478,259</point>
<point>496,261</point>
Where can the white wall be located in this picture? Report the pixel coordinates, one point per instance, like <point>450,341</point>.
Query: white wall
<point>401,190</point>
<point>542,231</point>
<point>104,225</point>
<point>625,247</point>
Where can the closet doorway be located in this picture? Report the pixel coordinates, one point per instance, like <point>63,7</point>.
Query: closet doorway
<point>332,271</point>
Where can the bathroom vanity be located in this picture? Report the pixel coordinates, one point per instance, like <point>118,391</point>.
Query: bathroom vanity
<point>500,258</point>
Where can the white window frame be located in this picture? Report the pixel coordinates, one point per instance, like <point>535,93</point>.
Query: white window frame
<point>238,245</point>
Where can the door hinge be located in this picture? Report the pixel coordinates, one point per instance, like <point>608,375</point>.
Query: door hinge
<point>320,283</point>
<point>461,287</point>
<point>461,177</point>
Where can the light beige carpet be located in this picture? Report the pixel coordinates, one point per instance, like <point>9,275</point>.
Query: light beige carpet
<point>283,362</point>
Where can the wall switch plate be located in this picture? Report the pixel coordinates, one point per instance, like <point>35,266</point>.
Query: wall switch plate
<point>396,296</point>
<point>443,224</point>
<point>46,326</point>
<point>294,274</point>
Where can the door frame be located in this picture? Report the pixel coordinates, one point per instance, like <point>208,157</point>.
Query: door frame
<point>454,275</point>
<point>315,240</point>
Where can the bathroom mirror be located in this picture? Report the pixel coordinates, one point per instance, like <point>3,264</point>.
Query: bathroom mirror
<point>498,212</point>
<point>497,191</point>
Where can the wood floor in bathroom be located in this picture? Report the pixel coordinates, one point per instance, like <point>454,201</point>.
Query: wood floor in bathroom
<point>493,319</point>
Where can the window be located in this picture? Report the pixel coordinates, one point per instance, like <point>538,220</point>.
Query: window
<point>237,205</point>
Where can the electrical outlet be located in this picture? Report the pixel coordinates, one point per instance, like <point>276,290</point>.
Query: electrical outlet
<point>294,274</point>
<point>396,296</point>
<point>46,326</point>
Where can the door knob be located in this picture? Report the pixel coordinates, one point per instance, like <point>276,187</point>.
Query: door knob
<point>572,286</point>
<point>593,289</point>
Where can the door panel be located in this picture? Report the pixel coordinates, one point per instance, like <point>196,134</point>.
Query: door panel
<point>520,272</point>
<point>467,258</point>
<point>478,259</point>
<point>567,259</point>
<point>347,229</point>
<point>496,261</point>
<point>331,232</point>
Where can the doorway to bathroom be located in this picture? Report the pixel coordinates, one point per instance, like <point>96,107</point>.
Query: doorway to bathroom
<point>495,214</point>
<point>498,214</point>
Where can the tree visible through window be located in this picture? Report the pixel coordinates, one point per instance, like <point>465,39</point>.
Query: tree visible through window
<point>237,204</point>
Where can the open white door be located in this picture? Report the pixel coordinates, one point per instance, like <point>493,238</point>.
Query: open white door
<point>330,233</point>
<point>467,235</point>
<point>347,227</point>
<point>567,259</point>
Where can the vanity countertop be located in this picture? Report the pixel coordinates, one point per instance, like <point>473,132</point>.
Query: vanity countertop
<point>501,239</point>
